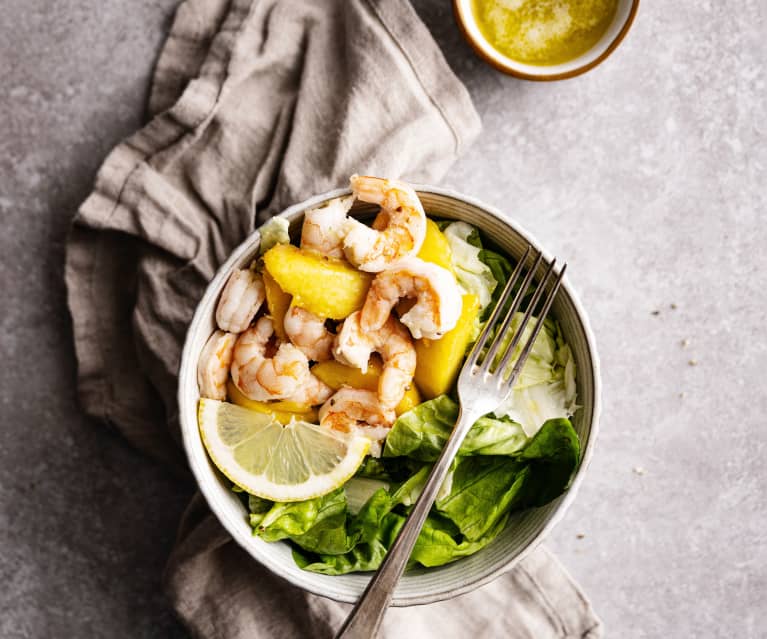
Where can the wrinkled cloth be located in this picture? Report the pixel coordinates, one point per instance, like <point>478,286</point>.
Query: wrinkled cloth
<point>256,105</point>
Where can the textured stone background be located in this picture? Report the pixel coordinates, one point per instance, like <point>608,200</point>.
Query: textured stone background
<point>647,174</point>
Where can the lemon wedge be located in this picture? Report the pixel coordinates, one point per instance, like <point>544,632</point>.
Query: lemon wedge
<point>293,462</point>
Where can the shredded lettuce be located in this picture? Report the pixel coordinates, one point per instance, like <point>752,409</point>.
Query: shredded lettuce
<point>546,385</point>
<point>275,231</point>
<point>474,275</point>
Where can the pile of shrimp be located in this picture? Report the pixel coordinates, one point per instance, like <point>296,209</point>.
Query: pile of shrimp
<point>246,347</point>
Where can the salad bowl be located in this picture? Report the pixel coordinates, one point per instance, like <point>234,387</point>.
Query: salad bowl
<point>524,531</point>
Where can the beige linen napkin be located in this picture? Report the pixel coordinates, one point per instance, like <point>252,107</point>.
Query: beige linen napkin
<point>258,104</point>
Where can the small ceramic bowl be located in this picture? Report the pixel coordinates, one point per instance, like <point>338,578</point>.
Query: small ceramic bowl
<point>418,586</point>
<point>624,17</point>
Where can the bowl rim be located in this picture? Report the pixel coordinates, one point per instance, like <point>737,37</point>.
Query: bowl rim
<point>188,367</point>
<point>510,69</point>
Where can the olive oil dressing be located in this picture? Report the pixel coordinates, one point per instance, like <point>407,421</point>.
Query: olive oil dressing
<point>543,32</point>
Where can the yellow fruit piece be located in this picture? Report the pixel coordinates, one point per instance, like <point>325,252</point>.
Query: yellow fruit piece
<point>277,301</point>
<point>409,400</point>
<point>335,374</point>
<point>283,412</point>
<point>435,247</point>
<point>439,361</point>
<point>327,287</point>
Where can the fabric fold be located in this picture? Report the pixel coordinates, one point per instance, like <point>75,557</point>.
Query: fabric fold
<point>256,105</point>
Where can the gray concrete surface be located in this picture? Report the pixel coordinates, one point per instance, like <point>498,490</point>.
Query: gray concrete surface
<point>647,174</point>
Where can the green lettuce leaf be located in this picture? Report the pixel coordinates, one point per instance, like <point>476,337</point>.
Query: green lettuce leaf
<point>501,269</point>
<point>484,491</point>
<point>438,544</point>
<point>473,506</point>
<point>421,433</point>
<point>408,491</point>
<point>553,455</point>
<point>373,468</point>
<point>360,489</point>
<point>364,556</point>
<point>295,519</point>
<point>324,524</point>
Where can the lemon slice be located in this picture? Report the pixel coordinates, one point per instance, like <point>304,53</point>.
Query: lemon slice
<point>282,463</point>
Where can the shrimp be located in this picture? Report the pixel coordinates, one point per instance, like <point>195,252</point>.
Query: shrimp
<point>438,299</point>
<point>307,331</point>
<point>359,411</point>
<point>240,300</point>
<point>314,391</point>
<point>397,232</point>
<point>213,367</point>
<point>323,228</point>
<point>263,378</point>
<point>392,341</point>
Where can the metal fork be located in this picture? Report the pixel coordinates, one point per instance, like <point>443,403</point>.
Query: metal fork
<point>483,384</point>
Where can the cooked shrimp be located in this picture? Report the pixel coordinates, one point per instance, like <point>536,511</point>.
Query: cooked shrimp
<point>213,367</point>
<point>438,299</point>
<point>354,410</point>
<point>397,232</point>
<point>263,378</point>
<point>240,300</point>
<point>312,392</point>
<point>323,228</point>
<point>392,341</point>
<point>307,331</point>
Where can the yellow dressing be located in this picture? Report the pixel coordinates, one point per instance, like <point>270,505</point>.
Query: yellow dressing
<point>543,32</point>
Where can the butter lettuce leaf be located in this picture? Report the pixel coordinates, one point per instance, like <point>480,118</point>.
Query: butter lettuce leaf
<point>552,455</point>
<point>498,471</point>
<point>325,524</point>
<point>421,433</point>
<point>483,492</point>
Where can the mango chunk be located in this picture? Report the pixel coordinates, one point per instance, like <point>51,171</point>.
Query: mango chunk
<point>278,302</point>
<point>439,361</point>
<point>409,400</point>
<point>325,286</point>
<point>283,412</point>
<point>435,247</point>
<point>335,374</point>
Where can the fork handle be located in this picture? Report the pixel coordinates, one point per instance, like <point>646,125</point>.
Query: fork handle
<point>365,618</point>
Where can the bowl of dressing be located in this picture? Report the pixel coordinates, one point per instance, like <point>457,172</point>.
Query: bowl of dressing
<point>544,39</point>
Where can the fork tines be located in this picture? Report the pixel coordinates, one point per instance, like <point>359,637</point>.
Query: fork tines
<point>495,360</point>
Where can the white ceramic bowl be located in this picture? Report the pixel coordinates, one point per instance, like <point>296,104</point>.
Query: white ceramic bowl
<point>419,586</point>
<point>619,27</point>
